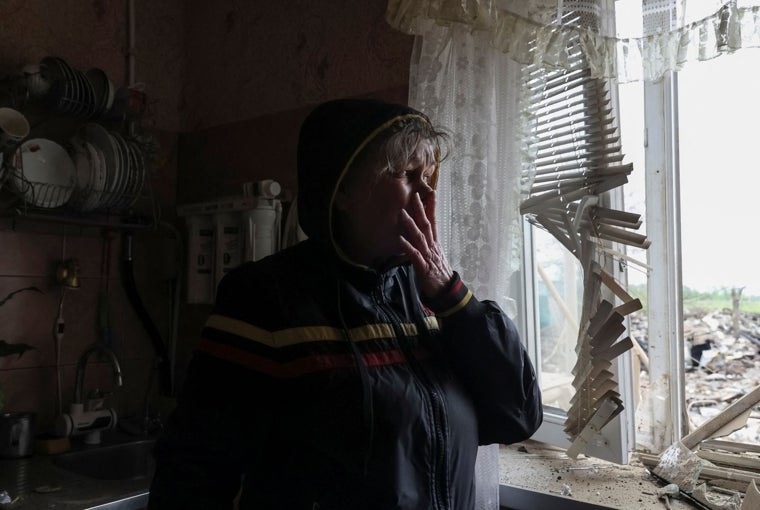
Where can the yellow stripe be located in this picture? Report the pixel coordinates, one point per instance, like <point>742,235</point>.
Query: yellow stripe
<point>432,323</point>
<point>454,309</point>
<point>293,336</point>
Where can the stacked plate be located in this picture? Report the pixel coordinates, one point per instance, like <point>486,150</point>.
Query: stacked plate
<point>110,170</point>
<point>69,91</point>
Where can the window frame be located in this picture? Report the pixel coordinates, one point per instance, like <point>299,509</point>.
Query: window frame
<point>666,402</point>
<point>616,440</point>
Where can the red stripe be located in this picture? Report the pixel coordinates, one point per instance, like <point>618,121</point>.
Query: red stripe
<point>301,366</point>
<point>456,288</point>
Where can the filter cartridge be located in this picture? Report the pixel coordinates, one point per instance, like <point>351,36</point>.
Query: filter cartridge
<point>260,230</point>
<point>228,243</point>
<point>200,259</point>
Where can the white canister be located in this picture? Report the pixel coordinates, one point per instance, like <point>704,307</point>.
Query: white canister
<point>261,230</point>
<point>200,259</point>
<point>228,254</point>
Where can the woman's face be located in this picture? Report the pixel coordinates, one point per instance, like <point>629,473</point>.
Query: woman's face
<point>368,208</point>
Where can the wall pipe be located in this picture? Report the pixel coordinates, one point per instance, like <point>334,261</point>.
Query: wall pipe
<point>131,43</point>
<point>130,288</point>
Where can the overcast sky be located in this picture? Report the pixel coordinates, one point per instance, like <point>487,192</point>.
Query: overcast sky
<point>719,116</point>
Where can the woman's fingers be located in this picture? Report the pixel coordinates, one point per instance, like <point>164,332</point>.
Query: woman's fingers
<point>421,217</point>
<point>414,235</point>
<point>429,205</point>
<point>421,246</point>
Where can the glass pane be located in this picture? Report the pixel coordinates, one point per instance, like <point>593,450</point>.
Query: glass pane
<point>717,127</point>
<point>560,291</point>
<point>632,131</point>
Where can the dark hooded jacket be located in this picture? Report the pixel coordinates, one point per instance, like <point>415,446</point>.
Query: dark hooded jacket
<point>322,384</point>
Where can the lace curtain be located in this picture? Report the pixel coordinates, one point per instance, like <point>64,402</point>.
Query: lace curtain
<point>667,34</point>
<point>465,85</point>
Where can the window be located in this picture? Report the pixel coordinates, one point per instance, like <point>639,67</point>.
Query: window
<point>689,138</point>
<point>576,156</point>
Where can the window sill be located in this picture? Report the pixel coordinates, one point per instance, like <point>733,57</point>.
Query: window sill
<point>537,475</point>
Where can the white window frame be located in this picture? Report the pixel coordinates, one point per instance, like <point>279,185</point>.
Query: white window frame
<point>666,399</point>
<point>617,438</point>
<point>664,292</point>
<point>666,402</point>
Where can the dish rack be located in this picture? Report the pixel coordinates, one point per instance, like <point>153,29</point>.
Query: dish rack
<point>21,198</point>
<point>86,159</point>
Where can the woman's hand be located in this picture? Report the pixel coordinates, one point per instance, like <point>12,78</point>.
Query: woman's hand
<point>421,244</point>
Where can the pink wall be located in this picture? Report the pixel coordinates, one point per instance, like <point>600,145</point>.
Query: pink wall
<point>255,69</point>
<point>228,84</point>
<point>87,33</point>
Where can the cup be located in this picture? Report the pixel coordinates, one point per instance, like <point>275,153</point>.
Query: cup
<point>16,435</point>
<point>13,128</point>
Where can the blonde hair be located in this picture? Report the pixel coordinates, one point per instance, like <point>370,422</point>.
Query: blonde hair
<point>398,145</point>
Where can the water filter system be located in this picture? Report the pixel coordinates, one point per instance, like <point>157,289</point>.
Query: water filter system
<point>226,232</point>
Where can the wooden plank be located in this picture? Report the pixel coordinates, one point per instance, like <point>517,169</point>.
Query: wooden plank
<point>615,350</point>
<point>743,462</point>
<point>738,477</point>
<point>718,421</point>
<point>730,446</point>
<point>629,307</point>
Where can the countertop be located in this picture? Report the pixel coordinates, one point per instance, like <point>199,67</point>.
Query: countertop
<point>40,484</point>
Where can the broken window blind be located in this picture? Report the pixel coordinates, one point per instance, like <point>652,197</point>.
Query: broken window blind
<point>574,158</point>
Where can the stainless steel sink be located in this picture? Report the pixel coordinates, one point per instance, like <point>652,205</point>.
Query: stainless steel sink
<point>114,462</point>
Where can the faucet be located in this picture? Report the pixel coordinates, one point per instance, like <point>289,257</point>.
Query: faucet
<point>89,420</point>
<point>82,363</point>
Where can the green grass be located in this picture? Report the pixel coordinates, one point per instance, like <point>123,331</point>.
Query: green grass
<point>694,301</point>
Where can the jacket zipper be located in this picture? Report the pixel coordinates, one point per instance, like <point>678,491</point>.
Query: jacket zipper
<point>435,403</point>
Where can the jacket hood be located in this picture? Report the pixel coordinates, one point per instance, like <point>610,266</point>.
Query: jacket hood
<point>331,137</point>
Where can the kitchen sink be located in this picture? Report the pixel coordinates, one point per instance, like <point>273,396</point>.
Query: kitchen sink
<point>114,462</point>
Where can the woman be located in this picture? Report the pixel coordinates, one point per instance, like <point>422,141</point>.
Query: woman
<point>355,369</point>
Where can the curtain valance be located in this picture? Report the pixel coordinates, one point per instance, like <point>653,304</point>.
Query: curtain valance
<point>612,53</point>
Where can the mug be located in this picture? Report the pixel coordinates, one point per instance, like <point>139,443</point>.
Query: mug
<point>16,435</point>
<point>13,128</point>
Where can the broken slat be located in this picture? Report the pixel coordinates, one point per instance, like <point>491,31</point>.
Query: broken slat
<point>601,417</point>
<point>615,287</point>
<point>729,446</point>
<point>752,497</point>
<point>624,236</point>
<point>628,308</point>
<point>730,460</point>
<point>610,332</point>
<point>628,238</point>
<point>740,478</point>
<point>603,312</point>
<point>617,215</point>
<point>700,494</point>
<point>617,349</point>
<point>558,234</point>
<point>708,428</point>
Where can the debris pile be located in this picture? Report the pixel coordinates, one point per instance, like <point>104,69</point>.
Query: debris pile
<point>720,365</point>
<point>722,372</point>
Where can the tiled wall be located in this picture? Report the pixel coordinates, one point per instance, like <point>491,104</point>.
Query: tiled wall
<point>88,33</point>
<point>28,258</point>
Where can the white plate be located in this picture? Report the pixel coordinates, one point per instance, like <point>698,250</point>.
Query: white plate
<point>121,171</point>
<point>98,177</point>
<point>83,174</point>
<point>139,172</point>
<point>100,138</point>
<point>45,173</point>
